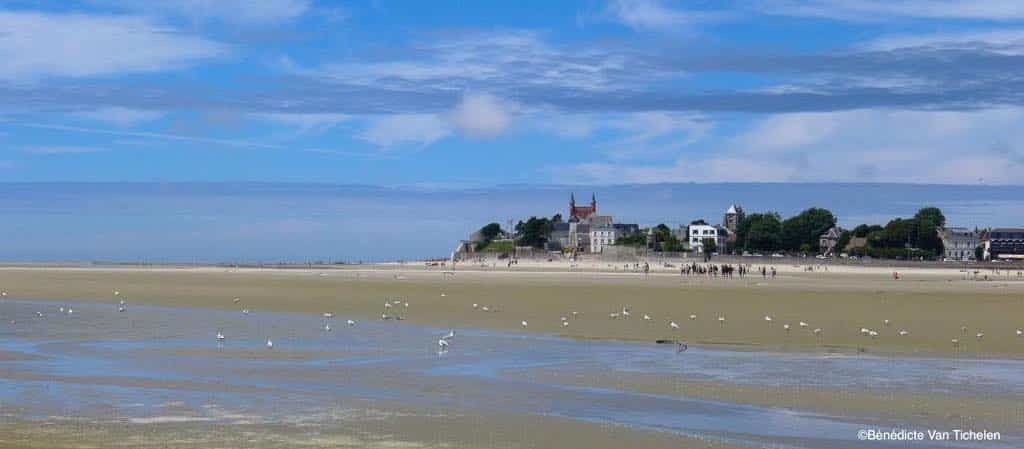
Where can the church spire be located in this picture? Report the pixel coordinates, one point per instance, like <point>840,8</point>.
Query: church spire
<point>593,200</point>
<point>572,199</point>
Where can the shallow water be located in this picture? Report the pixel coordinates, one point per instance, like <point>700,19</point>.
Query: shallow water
<point>153,364</point>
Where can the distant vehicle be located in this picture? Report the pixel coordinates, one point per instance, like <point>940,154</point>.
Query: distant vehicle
<point>747,254</point>
<point>820,256</point>
<point>778,255</point>
<point>758,255</point>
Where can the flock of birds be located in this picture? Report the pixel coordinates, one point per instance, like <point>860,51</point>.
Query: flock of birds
<point>391,307</point>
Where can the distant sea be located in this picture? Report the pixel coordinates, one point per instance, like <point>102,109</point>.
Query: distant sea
<point>269,222</point>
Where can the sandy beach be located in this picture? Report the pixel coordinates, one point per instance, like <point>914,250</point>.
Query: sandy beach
<point>505,385</point>
<point>934,306</point>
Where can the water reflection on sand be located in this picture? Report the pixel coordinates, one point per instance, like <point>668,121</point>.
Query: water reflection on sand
<point>163,365</point>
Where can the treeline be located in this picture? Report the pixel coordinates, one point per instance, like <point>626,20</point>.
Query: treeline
<point>913,237</point>
<point>768,232</point>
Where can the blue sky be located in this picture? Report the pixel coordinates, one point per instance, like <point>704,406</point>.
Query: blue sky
<point>482,93</point>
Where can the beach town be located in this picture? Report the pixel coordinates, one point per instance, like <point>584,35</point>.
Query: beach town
<point>584,233</point>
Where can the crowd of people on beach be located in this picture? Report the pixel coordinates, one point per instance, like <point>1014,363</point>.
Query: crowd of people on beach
<point>726,270</point>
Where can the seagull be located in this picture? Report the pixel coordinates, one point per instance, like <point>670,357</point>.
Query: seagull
<point>485,309</point>
<point>406,305</point>
<point>565,324</point>
<point>673,325</point>
<point>613,315</point>
<point>327,327</point>
<point>70,311</point>
<point>443,295</point>
<point>387,305</point>
<point>563,319</point>
<point>681,346</point>
<point>786,326</point>
<point>1020,332</point>
<point>803,324</point>
<point>904,333</point>
<point>449,336</point>
<point>350,323</point>
<point>625,311</point>
<point>768,318</point>
<point>524,323</point>
<point>122,302</point>
<point>220,336</point>
<point>475,305</point>
<point>693,317</point>
<point>116,293</point>
<point>955,342</point>
<point>270,344</point>
<point>864,330</point>
<point>886,322</point>
<point>963,329</point>
<point>575,314</point>
<point>245,311</point>
<point>873,334</point>
<point>721,319</point>
<point>442,344</point>
<point>328,315</point>
<point>817,331</point>
<point>647,317</point>
<point>39,314</point>
<point>236,300</point>
<point>980,335</point>
<point>61,309</point>
<point>384,316</point>
<point>3,293</point>
<point>121,308</point>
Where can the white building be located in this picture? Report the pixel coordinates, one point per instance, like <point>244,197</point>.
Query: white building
<point>959,243</point>
<point>697,234</point>
<point>602,236</point>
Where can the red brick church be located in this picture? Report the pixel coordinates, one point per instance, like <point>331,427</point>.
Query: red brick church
<point>577,213</point>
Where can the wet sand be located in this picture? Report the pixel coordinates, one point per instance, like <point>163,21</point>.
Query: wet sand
<point>365,427</point>
<point>931,304</point>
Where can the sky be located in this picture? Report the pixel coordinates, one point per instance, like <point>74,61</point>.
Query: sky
<point>466,94</point>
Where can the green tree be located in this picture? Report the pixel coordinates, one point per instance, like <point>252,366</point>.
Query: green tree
<point>979,253</point>
<point>534,232</point>
<point>844,239</point>
<point>490,231</point>
<point>801,231</point>
<point>760,232</point>
<point>929,220</point>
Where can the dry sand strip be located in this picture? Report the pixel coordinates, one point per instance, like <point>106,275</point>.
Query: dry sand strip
<point>934,306</point>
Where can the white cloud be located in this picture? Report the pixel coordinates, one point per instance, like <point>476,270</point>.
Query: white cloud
<point>120,116</point>
<point>655,133</point>
<point>955,147</point>
<point>467,61</point>
<point>235,11</point>
<point>1005,41</point>
<point>36,45</point>
<point>482,115</point>
<point>401,129</point>
<point>654,15</point>
<point>56,150</point>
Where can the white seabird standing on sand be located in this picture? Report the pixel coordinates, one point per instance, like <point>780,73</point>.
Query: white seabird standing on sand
<point>673,325</point>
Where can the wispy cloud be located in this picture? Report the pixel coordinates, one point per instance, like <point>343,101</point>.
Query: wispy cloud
<point>34,45</point>
<point>886,10</point>
<point>120,116</point>
<point>56,150</point>
<point>235,11</point>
